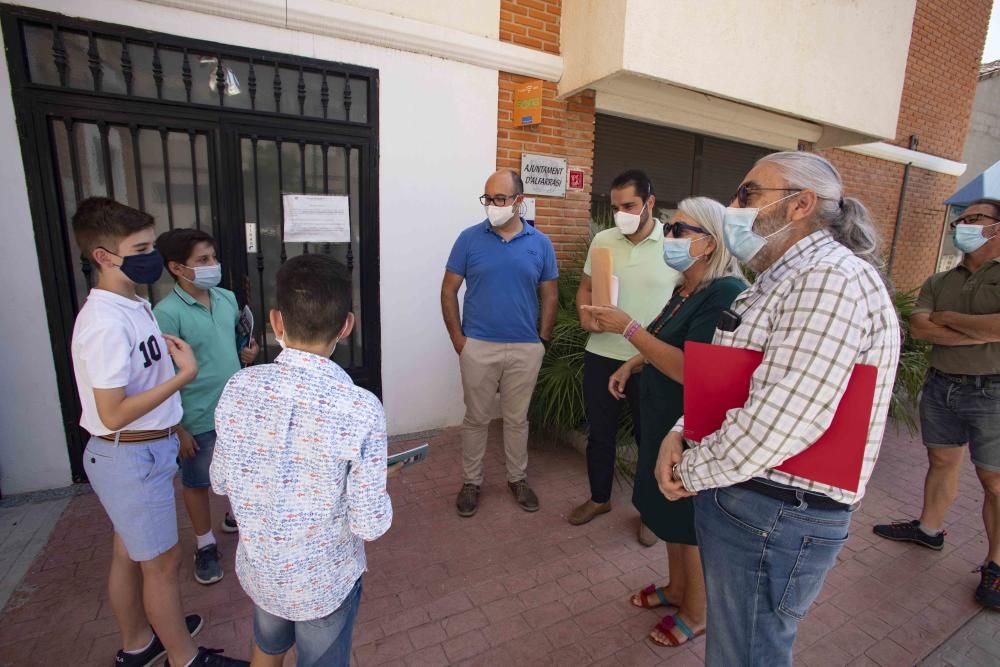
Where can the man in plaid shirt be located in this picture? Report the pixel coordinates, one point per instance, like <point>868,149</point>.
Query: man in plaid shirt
<point>818,308</point>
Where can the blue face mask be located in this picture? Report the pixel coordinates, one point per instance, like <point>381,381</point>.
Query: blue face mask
<point>677,253</point>
<point>141,269</point>
<point>737,231</point>
<point>970,238</point>
<point>206,277</point>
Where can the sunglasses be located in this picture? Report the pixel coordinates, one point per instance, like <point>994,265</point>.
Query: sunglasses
<point>743,193</point>
<point>973,220</point>
<point>675,229</point>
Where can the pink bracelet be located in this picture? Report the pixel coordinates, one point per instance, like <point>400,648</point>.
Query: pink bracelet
<point>633,327</point>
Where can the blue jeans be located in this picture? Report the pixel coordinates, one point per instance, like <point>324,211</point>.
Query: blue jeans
<point>322,642</point>
<point>765,561</point>
<point>953,413</point>
<point>194,471</point>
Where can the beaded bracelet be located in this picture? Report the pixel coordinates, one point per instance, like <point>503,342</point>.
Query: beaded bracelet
<point>627,327</point>
<point>633,327</point>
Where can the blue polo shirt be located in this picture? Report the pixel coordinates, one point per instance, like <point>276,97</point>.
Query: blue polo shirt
<point>501,281</point>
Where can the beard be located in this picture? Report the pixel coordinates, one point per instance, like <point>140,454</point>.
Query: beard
<point>765,225</point>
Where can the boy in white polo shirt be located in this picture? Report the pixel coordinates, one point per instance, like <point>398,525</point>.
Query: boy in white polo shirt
<point>130,406</point>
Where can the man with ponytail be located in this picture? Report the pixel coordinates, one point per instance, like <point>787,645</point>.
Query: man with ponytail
<point>958,312</point>
<point>818,308</point>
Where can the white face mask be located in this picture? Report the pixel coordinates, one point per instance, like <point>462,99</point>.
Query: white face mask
<point>628,223</point>
<point>499,215</point>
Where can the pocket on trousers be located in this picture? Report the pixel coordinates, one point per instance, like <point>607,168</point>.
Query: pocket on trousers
<point>817,556</point>
<point>730,504</point>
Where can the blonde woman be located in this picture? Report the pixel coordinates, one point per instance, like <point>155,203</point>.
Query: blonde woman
<point>710,281</point>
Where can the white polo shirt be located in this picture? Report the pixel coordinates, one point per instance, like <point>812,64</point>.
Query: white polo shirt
<point>117,343</point>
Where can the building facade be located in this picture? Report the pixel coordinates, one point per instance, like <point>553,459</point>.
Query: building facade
<point>207,112</point>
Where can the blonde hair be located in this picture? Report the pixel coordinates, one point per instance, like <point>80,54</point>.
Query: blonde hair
<point>708,214</point>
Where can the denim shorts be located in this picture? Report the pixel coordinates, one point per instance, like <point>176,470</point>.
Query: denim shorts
<point>322,642</point>
<point>135,484</point>
<point>953,414</point>
<point>194,471</point>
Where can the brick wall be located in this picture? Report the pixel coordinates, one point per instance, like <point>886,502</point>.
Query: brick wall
<point>567,128</point>
<point>942,69</point>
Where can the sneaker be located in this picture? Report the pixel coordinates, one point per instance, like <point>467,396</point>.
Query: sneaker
<point>909,531</point>
<point>207,568</point>
<point>587,511</point>
<point>229,524</point>
<point>526,498</point>
<point>468,500</point>
<point>156,651</point>
<point>212,657</point>
<point>988,592</point>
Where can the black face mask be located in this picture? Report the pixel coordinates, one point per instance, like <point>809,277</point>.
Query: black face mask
<point>141,269</point>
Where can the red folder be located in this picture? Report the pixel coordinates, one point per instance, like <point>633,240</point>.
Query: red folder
<point>717,379</point>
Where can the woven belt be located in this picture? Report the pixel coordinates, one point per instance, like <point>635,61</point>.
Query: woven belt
<point>978,380</point>
<point>130,437</point>
<point>789,495</point>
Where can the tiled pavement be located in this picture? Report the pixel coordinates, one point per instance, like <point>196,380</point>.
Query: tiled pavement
<point>510,588</point>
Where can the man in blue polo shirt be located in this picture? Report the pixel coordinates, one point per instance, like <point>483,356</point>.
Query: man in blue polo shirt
<point>505,264</point>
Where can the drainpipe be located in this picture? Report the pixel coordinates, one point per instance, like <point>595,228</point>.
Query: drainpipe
<point>899,207</point>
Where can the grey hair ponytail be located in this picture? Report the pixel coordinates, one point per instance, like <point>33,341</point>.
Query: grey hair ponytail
<point>846,217</point>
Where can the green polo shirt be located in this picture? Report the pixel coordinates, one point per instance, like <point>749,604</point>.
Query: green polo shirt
<point>212,336</point>
<point>962,291</point>
<point>645,284</point>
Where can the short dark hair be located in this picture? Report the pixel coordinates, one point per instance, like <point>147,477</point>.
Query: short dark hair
<point>314,297</point>
<point>178,244</point>
<point>636,178</point>
<point>989,201</point>
<point>100,221</point>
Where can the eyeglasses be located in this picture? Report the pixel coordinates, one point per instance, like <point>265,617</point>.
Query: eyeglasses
<point>973,220</point>
<point>497,200</point>
<point>675,229</point>
<point>743,193</point>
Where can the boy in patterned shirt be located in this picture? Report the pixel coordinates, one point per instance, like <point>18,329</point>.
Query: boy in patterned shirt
<point>301,453</point>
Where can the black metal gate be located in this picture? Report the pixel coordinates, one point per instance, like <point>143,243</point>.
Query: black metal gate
<point>198,135</point>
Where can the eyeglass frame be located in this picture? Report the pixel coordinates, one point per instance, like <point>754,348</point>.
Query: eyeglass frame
<point>963,220</point>
<point>674,229</point>
<point>742,194</point>
<point>487,200</point>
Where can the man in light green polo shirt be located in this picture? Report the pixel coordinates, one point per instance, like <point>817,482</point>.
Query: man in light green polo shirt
<point>206,316</point>
<point>645,283</point>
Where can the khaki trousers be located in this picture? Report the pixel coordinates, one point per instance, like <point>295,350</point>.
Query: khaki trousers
<point>511,368</point>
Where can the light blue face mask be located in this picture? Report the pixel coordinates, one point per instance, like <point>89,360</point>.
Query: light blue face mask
<point>970,238</point>
<point>677,253</point>
<point>737,231</point>
<point>206,277</point>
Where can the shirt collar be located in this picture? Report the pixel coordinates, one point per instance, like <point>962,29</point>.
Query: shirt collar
<point>299,359</point>
<point>656,235</point>
<point>98,294</point>
<point>190,300</point>
<point>527,231</point>
<point>795,257</point>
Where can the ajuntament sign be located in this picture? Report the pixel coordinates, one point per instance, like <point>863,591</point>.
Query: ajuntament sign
<point>543,175</point>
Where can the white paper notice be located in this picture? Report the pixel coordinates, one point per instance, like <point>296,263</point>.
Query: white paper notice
<point>317,218</point>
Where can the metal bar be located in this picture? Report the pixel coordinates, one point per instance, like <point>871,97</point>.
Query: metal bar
<point>302,92</point>
<point>899,209</point>
<point>59,56</point>
<point>220,80</point>
<point>324,95</point>
<point>94,60</point>
<point>276,87</point>
<point>85,266</point>
<point>109,180</point>
<point>302,179</point>
<point>134,130</point>
<point>126,67</point>
<point>347,97</point>
<point>192,137</point>
<point>252,86</point>
<point>281,199</point>
<point>326,172</point>
<point>350,244</point>
<point>157,71</point>
<point>186,76</point>
<point>166,176</point>
<point>260,248</point>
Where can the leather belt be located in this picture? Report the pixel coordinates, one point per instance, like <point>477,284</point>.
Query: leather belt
<point>131,437</point>
<point>790,495</point>
<point>978,380</point>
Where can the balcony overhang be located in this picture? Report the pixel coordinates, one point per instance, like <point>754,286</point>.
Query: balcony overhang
<point>830,74</point>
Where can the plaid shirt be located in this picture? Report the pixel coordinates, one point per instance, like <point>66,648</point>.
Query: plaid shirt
<point>815,313</point>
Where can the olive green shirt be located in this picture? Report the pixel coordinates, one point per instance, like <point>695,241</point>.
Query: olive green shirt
<point>212,336</point>
<point>645,284</point>
<point>961,291</point>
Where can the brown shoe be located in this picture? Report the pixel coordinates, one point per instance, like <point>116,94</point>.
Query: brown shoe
<point>468,500</point>
<point>526,498</point>
<point>587,511</point>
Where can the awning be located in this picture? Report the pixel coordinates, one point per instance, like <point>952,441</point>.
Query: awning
<point>986,184</point>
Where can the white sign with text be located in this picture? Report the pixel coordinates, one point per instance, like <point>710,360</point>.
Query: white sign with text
<point>543,175</point>
<point>317,218</point>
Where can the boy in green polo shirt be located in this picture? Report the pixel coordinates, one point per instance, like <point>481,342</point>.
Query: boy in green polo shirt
<point>206,316</point>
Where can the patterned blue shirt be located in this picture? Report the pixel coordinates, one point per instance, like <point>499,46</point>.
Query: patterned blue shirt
<point>301,453</point>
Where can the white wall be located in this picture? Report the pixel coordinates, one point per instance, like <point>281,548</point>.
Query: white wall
<point>982,143</point>
<point>437,139</point>
<point>479,17</point>
<point>33,452</point>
